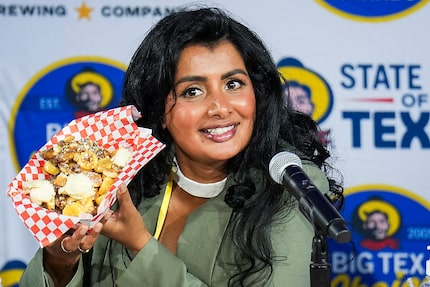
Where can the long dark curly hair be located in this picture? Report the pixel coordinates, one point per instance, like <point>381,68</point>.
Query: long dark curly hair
<point>150,78</point>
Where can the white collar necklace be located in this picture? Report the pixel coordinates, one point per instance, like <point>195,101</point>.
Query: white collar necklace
<point>205,190</point>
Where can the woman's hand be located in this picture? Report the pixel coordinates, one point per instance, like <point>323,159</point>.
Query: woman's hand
<point>81,240</point>
<point>60,259</point>
<point>126,225</point>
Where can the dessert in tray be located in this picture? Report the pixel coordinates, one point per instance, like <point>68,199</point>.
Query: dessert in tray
<point>74,177</point>
<point>79,174</point>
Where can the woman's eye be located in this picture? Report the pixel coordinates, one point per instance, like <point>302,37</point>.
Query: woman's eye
<point>234,84</point>
<point>191,93</point>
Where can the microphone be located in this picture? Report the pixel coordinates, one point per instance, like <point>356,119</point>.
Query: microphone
<point>285,168</point>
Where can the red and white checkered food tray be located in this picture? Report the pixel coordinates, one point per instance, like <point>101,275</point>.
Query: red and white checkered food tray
<point>110,130</point>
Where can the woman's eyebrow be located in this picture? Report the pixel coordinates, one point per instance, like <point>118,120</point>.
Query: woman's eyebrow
<point>191,79</point>
<point>204,79</point>
<point>234,72</point>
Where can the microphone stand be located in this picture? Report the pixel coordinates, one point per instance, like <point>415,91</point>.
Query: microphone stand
<point>320,267</point>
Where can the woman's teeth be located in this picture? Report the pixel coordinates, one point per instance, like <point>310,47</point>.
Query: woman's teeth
<point>219,131</point>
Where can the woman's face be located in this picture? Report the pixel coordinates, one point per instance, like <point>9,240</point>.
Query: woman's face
<point>214,113</point>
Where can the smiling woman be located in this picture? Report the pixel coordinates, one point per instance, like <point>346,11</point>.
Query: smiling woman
<point>212,108</point>
<point>204,212</point>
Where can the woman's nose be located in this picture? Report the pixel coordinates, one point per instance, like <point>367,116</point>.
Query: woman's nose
<point>220,105</point>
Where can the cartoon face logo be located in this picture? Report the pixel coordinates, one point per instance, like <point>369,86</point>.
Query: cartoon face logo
<point>298,96</point>
<point>89,91</point>
<point>305,90</point>
<point>63,91</point>
<point>377,220</point>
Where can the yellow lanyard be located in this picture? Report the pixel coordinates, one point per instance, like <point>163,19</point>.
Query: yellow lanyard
<point>164,206</point>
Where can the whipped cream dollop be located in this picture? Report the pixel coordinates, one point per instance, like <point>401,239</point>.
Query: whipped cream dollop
<point>78,186</point>
<point>121,157</point>
<point>41,191</point>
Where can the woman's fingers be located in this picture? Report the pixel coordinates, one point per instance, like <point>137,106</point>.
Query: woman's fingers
<point>90,238</point>
<point>82,239</point>
<point>71,243</point>
<point>126,220</point>
<point>124,200</point>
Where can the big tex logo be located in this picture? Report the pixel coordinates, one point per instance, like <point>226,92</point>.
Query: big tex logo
<point>389,242</point>
<point>64,90</point>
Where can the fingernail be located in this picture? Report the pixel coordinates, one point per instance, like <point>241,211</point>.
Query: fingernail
<point>122,188</point>
<point>83,230</point>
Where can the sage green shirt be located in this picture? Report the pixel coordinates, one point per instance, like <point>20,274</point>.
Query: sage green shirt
<point>204,252</point>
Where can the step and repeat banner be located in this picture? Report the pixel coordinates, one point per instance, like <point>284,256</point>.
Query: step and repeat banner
<point>361,68</point>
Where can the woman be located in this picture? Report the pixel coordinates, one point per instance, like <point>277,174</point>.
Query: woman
<point>207,212</point>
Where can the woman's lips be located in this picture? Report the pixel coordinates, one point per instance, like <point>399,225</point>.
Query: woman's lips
<point>220,134</point>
